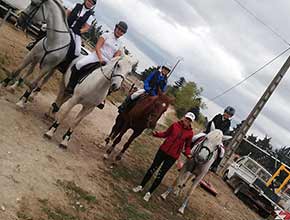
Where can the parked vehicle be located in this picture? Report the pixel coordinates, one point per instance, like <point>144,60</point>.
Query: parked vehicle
<point>248,179</point>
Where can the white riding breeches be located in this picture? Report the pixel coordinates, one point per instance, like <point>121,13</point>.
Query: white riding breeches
<point>78,43</point>
<point>91,58</point>
<point>136,94</point>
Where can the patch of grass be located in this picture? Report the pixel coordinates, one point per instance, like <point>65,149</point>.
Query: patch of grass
<point>127,174</point>
<point>57,214</point>
<point>23,216</point>
<point>131,212</point>
<point>75,192</point>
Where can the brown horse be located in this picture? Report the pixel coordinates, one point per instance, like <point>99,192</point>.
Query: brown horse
<point>144,114</point>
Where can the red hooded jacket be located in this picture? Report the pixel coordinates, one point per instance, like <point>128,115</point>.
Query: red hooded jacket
<point>177,138</point>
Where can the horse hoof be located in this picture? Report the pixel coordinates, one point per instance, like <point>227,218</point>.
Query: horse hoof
<point>163,196</point>
<point>62,146</point>
<point>47,136</point>
<point>20,104</point>
<point>106,156</point>
<point>181,210</point>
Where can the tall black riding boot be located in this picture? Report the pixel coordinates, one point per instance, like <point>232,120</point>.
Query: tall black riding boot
<point>73,80</point>
<point>124,106</point>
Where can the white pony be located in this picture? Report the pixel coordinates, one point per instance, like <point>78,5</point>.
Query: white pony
<point>90,92</point>
<point>49,52</point>
<point>203,155</point>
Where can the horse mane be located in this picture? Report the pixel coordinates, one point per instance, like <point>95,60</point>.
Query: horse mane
<point>62,11</point>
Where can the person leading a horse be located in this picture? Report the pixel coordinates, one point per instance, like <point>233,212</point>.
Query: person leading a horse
<point>80,19</point>
<point>155,81</point>
<point>108,46</point>
<point>178,136</point>
<point>223,123</point>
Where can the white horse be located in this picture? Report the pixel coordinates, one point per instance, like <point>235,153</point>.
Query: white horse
<point>49,52</point>
<point>203,156</point>
<point>90,92</point>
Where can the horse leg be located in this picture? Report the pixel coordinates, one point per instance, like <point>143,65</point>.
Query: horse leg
<point>116,141</point>
<point>175,183</point>
<point>195,183</point>
<point>24,98</point>
<point>81,115</point>
<point>135,134</point>
<point>38,87</point>
<point>27,60</point>
<point>71,103</point>
<point>21,79</point>
<point>60,99</point>
<point>115,130</point>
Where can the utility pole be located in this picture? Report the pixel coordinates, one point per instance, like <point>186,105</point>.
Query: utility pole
<point>237,139</point>
<point>174,67</point>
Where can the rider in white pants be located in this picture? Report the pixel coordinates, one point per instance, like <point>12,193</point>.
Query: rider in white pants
<point>107,47</point>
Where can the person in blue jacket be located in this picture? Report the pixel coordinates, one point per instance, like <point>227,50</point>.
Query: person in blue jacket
<point>156,80</point>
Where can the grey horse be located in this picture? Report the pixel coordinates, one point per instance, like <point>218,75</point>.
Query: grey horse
<point>49,52</point>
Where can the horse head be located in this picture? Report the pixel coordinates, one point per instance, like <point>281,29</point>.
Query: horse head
<point>33,13</point>
<point>121,67</point>
<point>159,104</point>
<point>204,151</point>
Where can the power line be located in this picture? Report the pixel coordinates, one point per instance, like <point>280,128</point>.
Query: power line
<point>249,76</point>
<point>262,22</point>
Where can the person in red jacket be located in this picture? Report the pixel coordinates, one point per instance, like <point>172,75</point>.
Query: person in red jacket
<point>178,136</point>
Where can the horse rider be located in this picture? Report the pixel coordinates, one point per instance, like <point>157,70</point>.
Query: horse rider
<point>178,136</point>
<point>108,46</point>
<point>79,18</point>
<point>156,80</point>
<point>223,123</point>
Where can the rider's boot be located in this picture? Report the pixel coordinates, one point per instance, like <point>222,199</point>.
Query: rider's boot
<point>73,81</point>
<point>124,106</point>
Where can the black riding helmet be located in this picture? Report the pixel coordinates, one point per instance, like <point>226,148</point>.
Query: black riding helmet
<point>123,26</point>
<point>230,111</point>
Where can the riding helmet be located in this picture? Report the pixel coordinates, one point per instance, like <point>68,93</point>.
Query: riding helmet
<point>230,110</point>
<point>123,26</point>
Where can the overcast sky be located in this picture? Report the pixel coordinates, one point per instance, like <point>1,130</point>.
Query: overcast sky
<point>220,43</point>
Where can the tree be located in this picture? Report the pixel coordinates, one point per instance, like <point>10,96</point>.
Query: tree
<point>252,138</point>
<point>187,97</point>
<point>265,143</point>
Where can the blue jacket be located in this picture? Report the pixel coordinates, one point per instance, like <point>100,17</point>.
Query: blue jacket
<point>153,81</point>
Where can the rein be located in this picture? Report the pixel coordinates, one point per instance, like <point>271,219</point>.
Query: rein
<point>112,75</point>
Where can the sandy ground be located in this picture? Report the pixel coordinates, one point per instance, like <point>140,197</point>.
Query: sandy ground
<point>32,168</point>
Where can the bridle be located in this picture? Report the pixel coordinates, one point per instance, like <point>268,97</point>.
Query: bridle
<point>112,74</point>
<point>198,149</point>
<point>29,17</point>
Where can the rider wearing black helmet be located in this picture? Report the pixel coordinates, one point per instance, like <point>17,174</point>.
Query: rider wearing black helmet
<point>79,19</point>
<point>222,121</point>
<point>108,46</point>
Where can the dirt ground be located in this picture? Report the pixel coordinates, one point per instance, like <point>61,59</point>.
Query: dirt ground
<point>40,181</point>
